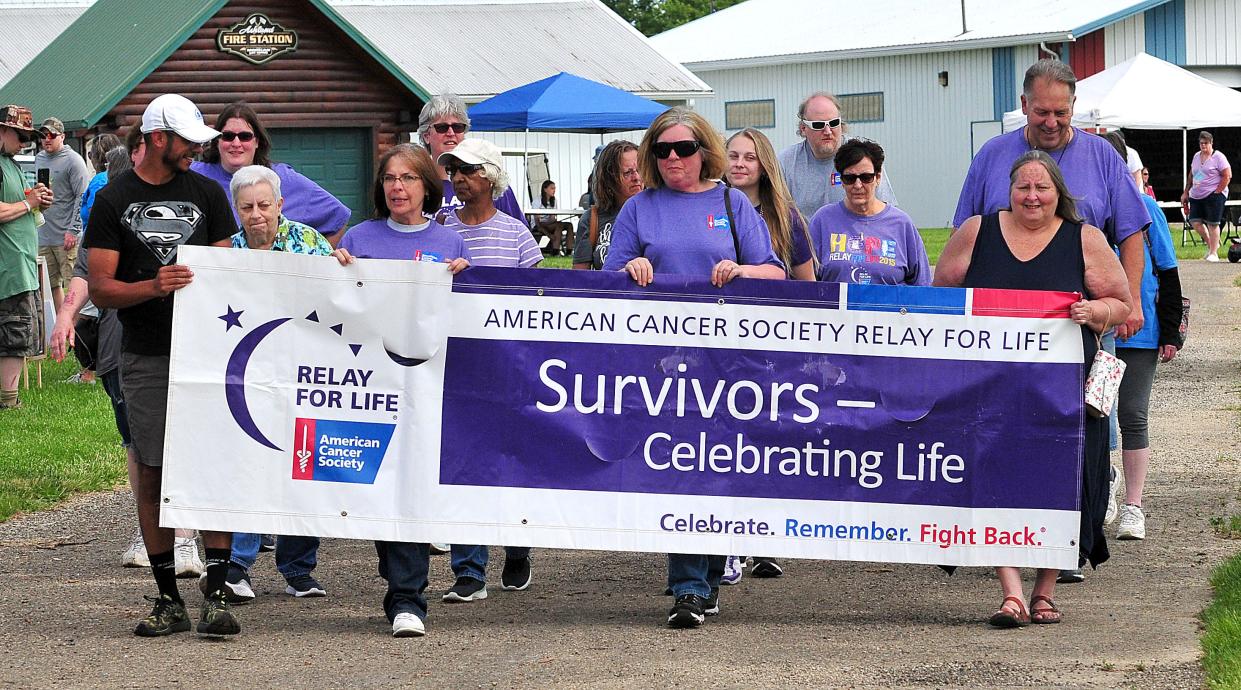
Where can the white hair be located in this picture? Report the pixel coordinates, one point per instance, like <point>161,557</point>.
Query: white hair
<point>499,179</point>
<point>252,175</point>
<point>441,106</point>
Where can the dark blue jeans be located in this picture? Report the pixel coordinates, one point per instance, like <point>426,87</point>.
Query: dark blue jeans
<point>471,561</point>
<point>694,573</point>
<point>295,555</point>
<point>404,566</point>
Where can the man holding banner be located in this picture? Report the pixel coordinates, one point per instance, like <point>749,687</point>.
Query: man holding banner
<point>138,222</point>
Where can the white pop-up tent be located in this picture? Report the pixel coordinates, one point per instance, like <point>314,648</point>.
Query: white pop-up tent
<point>1145,92</point>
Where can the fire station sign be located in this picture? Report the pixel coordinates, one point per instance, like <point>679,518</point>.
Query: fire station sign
<point>257,39</point>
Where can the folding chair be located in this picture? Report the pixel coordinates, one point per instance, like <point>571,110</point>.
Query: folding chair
<point>1187,229</point>
<point>1228,229</point>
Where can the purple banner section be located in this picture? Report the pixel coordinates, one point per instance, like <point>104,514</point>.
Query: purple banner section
<point>720,422</point>
<point>666,288</point>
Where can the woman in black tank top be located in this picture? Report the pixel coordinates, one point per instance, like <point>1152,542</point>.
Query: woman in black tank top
<point>1041,244</point>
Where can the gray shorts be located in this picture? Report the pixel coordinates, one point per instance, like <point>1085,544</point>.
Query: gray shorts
<point>19,325</point>
<point>145,383</point>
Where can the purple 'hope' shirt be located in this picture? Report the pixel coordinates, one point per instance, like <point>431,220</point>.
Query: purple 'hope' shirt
<point>883,249</point>
<point>1094,172</point>
<point>304,200</point>
<point>376,239</point>
<point>687,233</point>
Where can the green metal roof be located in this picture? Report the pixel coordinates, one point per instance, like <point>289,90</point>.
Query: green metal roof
<point>115,44</point>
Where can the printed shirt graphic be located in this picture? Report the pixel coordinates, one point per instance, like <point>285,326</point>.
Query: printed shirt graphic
<point>883,249</point>
<point>293,237</point>
<point>162,226</point>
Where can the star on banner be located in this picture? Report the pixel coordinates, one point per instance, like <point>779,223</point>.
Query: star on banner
<point>232,318</point>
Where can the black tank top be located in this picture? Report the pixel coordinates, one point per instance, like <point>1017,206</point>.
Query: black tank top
<point>1060,266</point>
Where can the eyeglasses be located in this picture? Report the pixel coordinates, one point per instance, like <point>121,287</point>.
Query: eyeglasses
<point>850,178</point>
<point>684,149</point>
<point>48,135</point>
<point>818,125</point>
<point>243,136</point>
<point>456,127</point>
<point>466,169</point>
<point>406,180</point>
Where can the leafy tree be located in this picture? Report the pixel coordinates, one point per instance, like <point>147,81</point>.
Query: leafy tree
<point>657,16</point>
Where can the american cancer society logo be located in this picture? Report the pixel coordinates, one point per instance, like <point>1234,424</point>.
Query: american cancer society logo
<point>328,450</point>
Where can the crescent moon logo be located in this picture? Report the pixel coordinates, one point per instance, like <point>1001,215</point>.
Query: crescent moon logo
<point>235,380</point>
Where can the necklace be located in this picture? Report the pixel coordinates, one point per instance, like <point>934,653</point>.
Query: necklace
<point>1063,149</point>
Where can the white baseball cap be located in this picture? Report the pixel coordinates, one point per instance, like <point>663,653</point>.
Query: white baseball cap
<point>179,114</point>
<point>474,152</point>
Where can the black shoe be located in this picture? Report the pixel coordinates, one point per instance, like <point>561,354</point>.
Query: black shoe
<point>267,542</point>
<point>304,586</point>
<point>237,587</point>
<point>1071,576</point>
<point>466,589</point>
<point>687,612</point>
<point>712,605</point>
<point>516,574</point>
<point>765,567</point>
<point>217,617</point>
<point>166,618</point>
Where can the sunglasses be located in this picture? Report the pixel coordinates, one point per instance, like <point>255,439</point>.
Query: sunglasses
<point>243,136</point>
<point>850,178</point>
<point>456,127</point>
<point>819,125</point>
<point>466,169</point>
<point>48,135</point>
<point>684,149</point>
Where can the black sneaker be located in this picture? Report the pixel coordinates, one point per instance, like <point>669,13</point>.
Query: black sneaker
<point>217,617</point>
<point>167,617</point>
<point>687,612</point>
<point>466,589</point>
<point>766,567</point>
<point>516,574</point>
<point>1071,576</point>
<point>267,542</point>
<point>237,585</point>
<point>304,586</point>
<point>712,605</point>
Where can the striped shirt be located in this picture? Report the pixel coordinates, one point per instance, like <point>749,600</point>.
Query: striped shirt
<point>498,241</point>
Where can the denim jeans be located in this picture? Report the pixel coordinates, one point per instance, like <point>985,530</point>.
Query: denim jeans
<point>295,555</point>
<point>404,565</point>
<point>694,573</point>
<point>471,561</point>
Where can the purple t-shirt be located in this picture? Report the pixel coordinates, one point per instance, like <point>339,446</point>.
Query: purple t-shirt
<point>379,239</point>
<point>882,249</point>
<point>304,200</point>
<point>501,240</point>
<point>507,203</point>
<point>687,233</point>
<point>1206,175</point>
<point>1094,172</point>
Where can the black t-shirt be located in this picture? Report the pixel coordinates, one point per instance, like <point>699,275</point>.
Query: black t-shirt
<point>146,223</point>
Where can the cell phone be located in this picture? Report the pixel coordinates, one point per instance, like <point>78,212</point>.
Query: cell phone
<point>45,177</point>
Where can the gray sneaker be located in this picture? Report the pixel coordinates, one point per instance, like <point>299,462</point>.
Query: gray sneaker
<point>1132,523</point>
<point>166,618</point>
<point>1113,485</point>
<point>217,617</point>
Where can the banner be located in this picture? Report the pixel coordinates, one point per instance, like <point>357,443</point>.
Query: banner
<point>573,409</point>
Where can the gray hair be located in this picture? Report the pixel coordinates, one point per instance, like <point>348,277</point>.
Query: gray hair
<point>118,162</point>
<point>252,175</point>
<point>1051,70</point>
<point>438,107</point>
<point>1066,205</point>
<point>499,180</point>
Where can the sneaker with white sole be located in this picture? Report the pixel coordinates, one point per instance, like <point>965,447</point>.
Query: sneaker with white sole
<point>516,575</point>
<point>438,549</point>
<point>711,606</point>
<point>732,570</point>
<point>406,624</point>
<point>237,585</point>
<point>1113,485</point>
<point>1212,257</point>
<point>765,567</point>
<point>687,612</point>
<point>1132,523</point>
<point>466,589</point>
<point>185,556</point>
<point>304,586</point>
<point>136,555</point>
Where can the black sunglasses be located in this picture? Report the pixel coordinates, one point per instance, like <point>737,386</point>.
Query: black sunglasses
<point>819,125</point>
<point>243,136</point>
<point>684,149</point>
<point>850,178</point>
<point>48,135</point>
<point>456,127</point>
<point>466,169</point>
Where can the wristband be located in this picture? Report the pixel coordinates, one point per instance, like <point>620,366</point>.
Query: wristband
<point>28,209</point>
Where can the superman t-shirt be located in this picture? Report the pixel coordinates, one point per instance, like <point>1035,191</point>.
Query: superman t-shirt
<point>146,223</point>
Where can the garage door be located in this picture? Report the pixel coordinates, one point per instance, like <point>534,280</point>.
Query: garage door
<point>339,159</point>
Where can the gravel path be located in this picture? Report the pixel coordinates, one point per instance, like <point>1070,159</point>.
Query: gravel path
<point>594,619</point>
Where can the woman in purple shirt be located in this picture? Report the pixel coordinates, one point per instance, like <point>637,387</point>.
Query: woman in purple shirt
<point>1206,190</point>
<point>687,223</point>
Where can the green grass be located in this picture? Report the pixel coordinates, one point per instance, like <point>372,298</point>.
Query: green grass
<point>1227,527</point>
<point>1221,643</point>
<point>63,441</point>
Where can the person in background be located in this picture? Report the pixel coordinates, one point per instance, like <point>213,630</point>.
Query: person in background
<point>244,141</point>
<point>862,239</point>
<point>1147,189</point>
<point>548,226</point>
<point>60,233</point>
<point>98,155</point>
<point>661,231</point>
<point>614,180</point>
<point>1158,341</point>
<point>1040,243</point>
<point>1206,191</point>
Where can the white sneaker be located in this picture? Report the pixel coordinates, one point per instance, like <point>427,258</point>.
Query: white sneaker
<point>1113,485</point>
<point>136,555</point>
<point>1212,257</point>
<point>185,555</point>
<point>439,549</point>
<point>732,570</point>
<point>407,624</point>
<point>1132,523</point>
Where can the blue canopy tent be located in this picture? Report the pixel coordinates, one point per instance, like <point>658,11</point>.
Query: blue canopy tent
<point>564,103</point>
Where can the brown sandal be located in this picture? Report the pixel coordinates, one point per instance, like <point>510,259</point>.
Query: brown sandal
<point>1004,618</point>
<point>1047,616</point>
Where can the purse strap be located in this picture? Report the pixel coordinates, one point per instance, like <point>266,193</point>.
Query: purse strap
<point>1106,322</point>
<point>732,225</point>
